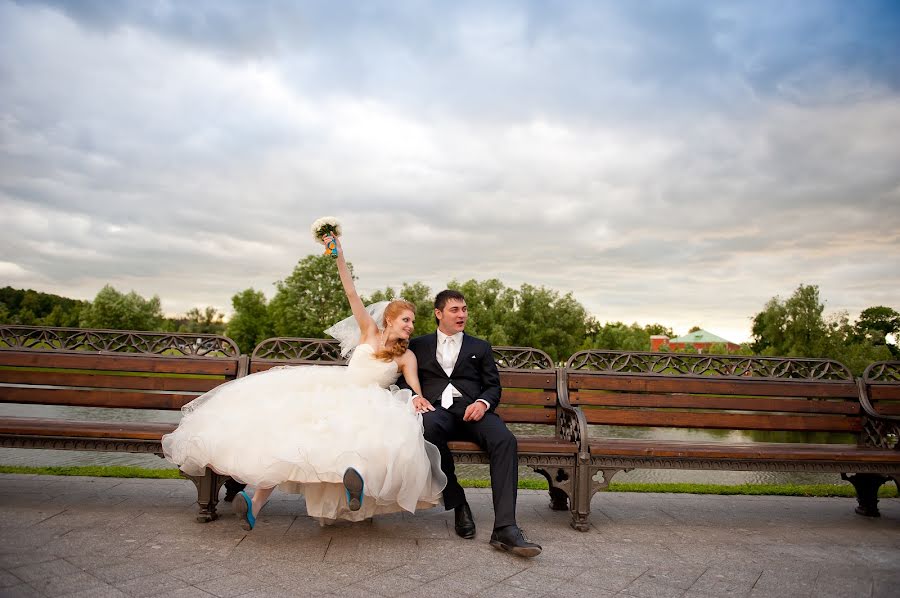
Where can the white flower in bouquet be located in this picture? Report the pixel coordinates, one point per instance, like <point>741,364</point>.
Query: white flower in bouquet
<point>328,225</point>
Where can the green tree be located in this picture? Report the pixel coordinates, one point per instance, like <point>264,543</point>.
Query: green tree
<point>844,344</point>
<point>876,323</point>
<point>208,320</point>
<point>618,336</point>
<point>30,307</point>
<point>112,309</point>
<point>490,304</point>
<point>797,328</point>
<point>547,321</point>
<point>60,316</point>
<point>251,322</point>
<point>309,300</point>
<point>792,328</point>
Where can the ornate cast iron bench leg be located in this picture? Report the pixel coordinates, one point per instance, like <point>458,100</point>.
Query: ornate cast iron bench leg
<point>562,484</point>
<point>208,488</point>
<point>866,485</point>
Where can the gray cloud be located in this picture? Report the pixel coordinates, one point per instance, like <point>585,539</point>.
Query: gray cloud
<point>664,165</point>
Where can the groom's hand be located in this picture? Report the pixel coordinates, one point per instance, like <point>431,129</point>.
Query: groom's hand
<point>474,412</point>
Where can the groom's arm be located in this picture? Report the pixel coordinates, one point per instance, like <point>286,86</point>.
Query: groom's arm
<point>490,378</point>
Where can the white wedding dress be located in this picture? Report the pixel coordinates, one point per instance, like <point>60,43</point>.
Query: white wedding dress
<point>300,427</point>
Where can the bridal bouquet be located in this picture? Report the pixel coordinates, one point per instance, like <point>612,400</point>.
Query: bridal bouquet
<point>327,226</point>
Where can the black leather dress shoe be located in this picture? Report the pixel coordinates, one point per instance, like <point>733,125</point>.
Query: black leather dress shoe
<point>511,539</point>
<point>465,523</point>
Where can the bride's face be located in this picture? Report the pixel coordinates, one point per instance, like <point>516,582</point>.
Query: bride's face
<point>403,325</point>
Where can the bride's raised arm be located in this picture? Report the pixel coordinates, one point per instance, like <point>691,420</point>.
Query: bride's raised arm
<point>367,327</point>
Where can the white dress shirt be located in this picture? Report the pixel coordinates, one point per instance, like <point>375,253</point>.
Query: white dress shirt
<point>448,347</point>
<point>447,353</point>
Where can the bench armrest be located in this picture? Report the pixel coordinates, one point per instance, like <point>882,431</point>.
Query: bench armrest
<point>880,427</point>
<point>571,424</point>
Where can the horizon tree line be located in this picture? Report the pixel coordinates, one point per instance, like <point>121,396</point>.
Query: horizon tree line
<point>305,303</point>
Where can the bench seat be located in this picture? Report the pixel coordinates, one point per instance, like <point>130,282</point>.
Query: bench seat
<point>527,445</point>
<point>756,455</point>
<point>34,427</point>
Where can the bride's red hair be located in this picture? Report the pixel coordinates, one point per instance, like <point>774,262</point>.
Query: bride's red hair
<point>391,312</point>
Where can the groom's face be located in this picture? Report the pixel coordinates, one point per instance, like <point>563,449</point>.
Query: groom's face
<point>453,317</point>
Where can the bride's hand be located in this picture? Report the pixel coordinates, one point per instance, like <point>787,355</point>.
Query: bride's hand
<point>337,242</point>
<point>422,405</point>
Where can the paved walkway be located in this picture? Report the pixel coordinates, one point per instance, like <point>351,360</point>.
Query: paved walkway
<point>112,537</point>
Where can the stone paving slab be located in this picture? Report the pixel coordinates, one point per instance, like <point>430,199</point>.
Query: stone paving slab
<point>78,536</point>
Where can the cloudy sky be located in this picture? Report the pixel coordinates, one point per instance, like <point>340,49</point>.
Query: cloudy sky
<point>673,162</point>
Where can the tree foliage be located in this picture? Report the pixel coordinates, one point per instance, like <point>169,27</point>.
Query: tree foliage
<point>112,309</point>
<point>251,322</point>
<point>618,336</point>
<point>33,308</point>
<point>797,327</point>
<point>208,320</point>
<point>309,300</point>
<point>876,323</point>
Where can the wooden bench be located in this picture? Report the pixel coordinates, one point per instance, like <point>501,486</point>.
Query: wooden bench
<point>102,369</point>
<point>767,397</point>
<point>530,396</point>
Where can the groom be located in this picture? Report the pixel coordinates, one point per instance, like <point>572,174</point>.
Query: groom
<point>458,375</point>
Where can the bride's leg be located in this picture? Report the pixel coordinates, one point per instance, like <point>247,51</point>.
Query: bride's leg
<point>260,498</point>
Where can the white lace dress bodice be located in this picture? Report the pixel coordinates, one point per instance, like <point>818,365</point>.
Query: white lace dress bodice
<point>300,428</point>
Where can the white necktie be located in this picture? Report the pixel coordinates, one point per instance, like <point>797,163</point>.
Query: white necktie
<point>447,364</point>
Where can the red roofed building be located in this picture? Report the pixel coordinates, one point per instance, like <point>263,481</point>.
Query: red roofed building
<point>699,339</point>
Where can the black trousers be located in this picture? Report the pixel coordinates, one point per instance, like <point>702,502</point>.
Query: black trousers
<point>492,435</point>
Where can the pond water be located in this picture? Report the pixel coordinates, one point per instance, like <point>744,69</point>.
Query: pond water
<point>34,457</point>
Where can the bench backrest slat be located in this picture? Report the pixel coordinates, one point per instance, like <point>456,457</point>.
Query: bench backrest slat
<point>74,379</point>
<point>722,420</point>
<point>691,401</point>
<point>79,397</point>
<point>155,371</point>
<point>120,363</point>
<point>714,392</point>
<point>788,388</point>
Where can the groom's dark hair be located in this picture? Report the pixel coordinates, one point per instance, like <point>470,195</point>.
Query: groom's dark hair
<point>441,299</point>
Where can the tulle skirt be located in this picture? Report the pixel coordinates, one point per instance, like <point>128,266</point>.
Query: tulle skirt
<point>300,428</point>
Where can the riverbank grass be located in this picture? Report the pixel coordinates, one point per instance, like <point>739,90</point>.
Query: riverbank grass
<point>845,490</point>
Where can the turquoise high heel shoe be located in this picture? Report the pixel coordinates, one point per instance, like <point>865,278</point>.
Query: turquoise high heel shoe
<point>353,485</point>
<point>243,507</point>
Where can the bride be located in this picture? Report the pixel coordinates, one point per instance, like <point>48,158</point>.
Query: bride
<point>345,437</point>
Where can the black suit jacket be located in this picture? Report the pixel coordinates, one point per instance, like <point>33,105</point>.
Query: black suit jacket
<point>475,374</point>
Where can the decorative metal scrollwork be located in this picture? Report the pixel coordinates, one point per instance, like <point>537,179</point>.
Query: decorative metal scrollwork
<point>880,433</point>
<point>41,338</point>
<point>882,371</point>
<point>718,366</point>
<point>522,358</point>
<point>319,350</point>
<point>316,350</point>
<point>568,427</point>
